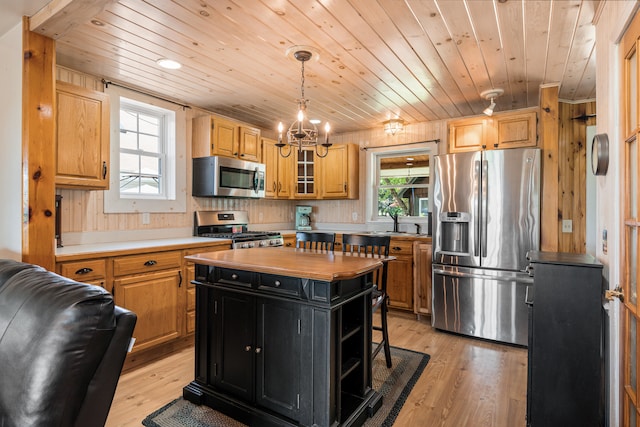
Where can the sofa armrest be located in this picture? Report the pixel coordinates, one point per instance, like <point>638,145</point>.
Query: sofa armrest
<point>97,403</point>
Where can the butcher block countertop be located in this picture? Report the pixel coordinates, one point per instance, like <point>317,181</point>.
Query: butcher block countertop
<point>292,262</point>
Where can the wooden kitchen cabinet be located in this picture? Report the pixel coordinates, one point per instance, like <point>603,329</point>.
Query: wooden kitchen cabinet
<point>217,136</point>
<point>278,171</point>
<point>305,174</point>
<point>249,147</point>
<point>400,274</point>
<point>422,253</point>
<point>93,271</point>
<point>149,285</point>
<point>244,326</point>
<point>339,172</point>
<point>503,130</point>
<point>82,137</point>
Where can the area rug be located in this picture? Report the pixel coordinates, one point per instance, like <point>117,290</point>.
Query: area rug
<point>394,384</point>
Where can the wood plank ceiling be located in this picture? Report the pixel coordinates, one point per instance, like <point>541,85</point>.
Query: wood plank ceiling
<point>420,60</point>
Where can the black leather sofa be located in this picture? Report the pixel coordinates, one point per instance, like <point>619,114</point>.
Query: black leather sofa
<point>62,348</point>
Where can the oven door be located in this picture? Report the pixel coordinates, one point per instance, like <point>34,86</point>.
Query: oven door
<point>226,177</point>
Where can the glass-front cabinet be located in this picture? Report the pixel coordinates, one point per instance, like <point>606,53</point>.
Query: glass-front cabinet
<point>306,174</point>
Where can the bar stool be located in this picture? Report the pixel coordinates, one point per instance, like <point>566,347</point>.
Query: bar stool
<point>315,240</point>
<point>377,246</point>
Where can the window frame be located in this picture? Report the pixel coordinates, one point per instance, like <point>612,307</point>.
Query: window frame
<point>175,167</point>
<point>373,176</point>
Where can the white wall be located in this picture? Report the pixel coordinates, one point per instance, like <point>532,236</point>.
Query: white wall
<point>609,28</point>
<point>11,143</point>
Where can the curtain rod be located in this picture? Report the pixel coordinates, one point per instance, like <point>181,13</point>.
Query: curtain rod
<point>400,145</point>
<point>106,84</point>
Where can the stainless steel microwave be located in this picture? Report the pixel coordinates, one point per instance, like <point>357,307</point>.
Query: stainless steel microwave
<point>226,177</point>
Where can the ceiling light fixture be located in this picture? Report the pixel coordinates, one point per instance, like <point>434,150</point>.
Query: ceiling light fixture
<point>169,64</point>
<point>491,94</point>
<point>393,126</point>
<point>303,132</point>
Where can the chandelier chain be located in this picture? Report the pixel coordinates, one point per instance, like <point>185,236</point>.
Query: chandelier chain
<point>302,81</point>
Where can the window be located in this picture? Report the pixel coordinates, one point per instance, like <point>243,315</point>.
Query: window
<point>143,149</point>
<point>147,154</point>
<point>400,183</point>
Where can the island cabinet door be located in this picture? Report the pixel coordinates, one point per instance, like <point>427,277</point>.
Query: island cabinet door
<point>278,349</point>
<point>232,345</point>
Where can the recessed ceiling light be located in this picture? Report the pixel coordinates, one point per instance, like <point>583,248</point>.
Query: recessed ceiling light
<point>168,63</point>
<point>98,23</point>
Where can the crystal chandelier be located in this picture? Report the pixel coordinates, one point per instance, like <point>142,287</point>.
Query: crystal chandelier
<point>302,133</point>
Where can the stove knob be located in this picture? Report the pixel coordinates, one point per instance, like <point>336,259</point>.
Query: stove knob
<point>245,245</point>
<point>251,244</point>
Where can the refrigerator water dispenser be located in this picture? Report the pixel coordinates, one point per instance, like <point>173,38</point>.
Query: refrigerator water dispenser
<point>454,234</point>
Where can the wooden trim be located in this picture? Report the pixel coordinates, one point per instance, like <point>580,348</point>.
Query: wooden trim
<point>38,148</point>
<point>549,144</point>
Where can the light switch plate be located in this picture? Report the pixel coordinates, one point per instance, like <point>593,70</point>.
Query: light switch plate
<point>567,226</point>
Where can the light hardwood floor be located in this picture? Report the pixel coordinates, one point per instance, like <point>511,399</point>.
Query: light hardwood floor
<point>467,382</point>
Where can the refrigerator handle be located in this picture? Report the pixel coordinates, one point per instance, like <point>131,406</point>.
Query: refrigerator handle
<point>476,234</point>
<point>483,215</point>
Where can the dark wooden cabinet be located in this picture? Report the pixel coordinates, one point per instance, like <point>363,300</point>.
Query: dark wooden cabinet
<point>256,348</point>
<point>278,350</point>
<point>565,370</point>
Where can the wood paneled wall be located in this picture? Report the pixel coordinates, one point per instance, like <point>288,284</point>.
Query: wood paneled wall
<point>572,173</point>
<point>83,211</point>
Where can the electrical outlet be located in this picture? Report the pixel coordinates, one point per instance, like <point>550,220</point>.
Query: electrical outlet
<point>146,219</point>
<point>354,216</point>
<point>567,226</point>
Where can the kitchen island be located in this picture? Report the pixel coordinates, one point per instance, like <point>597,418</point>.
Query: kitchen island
<point>283,336</point>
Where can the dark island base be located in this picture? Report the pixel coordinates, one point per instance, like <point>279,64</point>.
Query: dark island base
<point>197,394</point>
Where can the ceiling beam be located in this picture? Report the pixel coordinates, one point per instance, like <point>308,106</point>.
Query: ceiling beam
<point>60,16</point>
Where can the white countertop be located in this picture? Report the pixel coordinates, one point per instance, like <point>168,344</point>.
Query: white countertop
<point>75,250</point>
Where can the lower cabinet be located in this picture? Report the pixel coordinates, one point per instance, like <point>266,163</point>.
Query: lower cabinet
<point>256,350</point>
<point>400,275</point>
<point>422,254</point>
<point>154,298</point>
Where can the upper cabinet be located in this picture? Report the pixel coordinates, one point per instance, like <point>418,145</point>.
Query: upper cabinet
<point>503,130</point>
<point>278,171</point>
<point>339,172</point>
<point>217,136</point>
<point>82,137</point>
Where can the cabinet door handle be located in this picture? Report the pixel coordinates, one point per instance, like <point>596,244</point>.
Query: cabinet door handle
<point>495,145</point>
<point>397,248</point>
<point>84,270</point>
<point>150,263</point>
<point>274,186</point>
<point>258,350</point>
<point>345,186</point>
<point>180,276</point>
<point>247,348</point>
<point>104,170</point>
<point>277,283</point>
<point>234,276</point>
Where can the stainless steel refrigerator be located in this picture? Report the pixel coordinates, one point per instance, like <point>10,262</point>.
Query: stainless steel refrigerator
<point>486,217</point>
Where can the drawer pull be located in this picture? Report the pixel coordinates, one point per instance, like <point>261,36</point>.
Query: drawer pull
<point>150,263</point>
<point>84,270</point>
<point>397,248</point>
<point>258,350</point>
<point>277,283</point>
<point>234,276</point>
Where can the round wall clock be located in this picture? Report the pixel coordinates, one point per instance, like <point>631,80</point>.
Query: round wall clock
<point>600,154</point>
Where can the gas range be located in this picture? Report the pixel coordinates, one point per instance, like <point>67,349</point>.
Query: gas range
<point>233,225</point>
